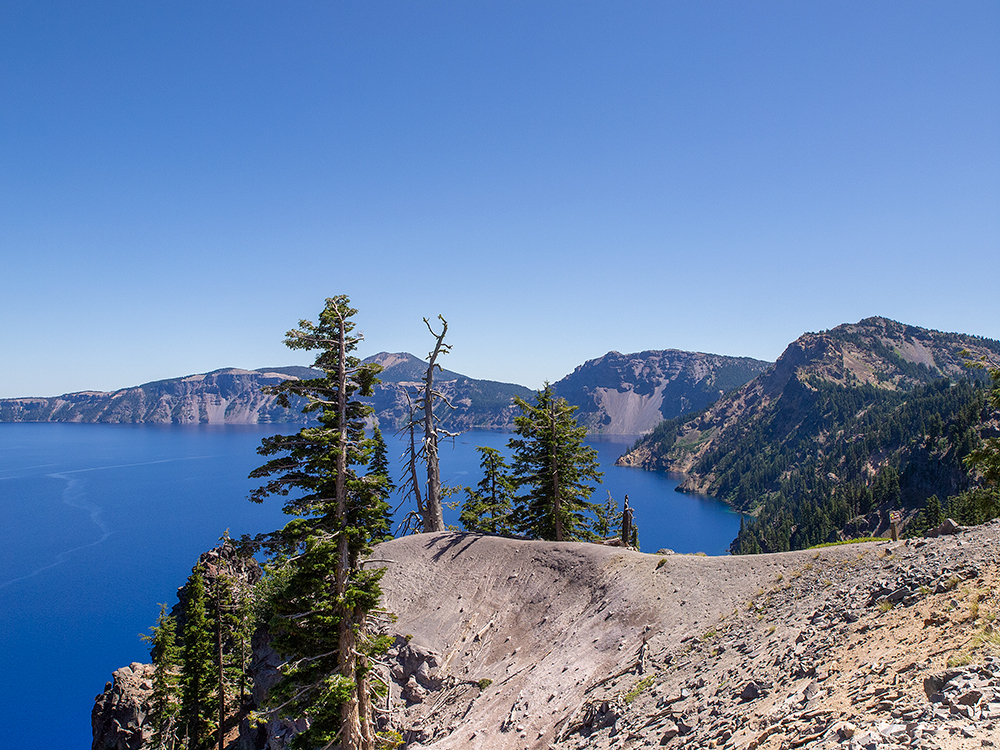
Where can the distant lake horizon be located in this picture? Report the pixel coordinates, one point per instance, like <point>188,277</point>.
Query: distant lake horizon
<point>101,523</point>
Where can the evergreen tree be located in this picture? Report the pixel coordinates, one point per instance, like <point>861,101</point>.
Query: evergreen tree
<point>165,702</point>
<point>986,458</point>
<point>378,469</point>
<point>607,518</point>
<point>198,668</point>
<point>321,621</point>
<point>487,509</point>
<point>932,512</point>
<point>553,465</point>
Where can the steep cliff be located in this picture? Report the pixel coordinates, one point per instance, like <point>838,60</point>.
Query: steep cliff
<point>233,396</point>
<point>629,394</point>
<point>617,394</point>
<point>227,396</point>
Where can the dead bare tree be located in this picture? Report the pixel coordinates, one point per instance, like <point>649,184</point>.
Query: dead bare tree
<point>410,487</point>
<point>421,409</point>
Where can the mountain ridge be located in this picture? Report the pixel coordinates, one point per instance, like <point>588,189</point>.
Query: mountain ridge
<point>848,424</point>
<point>616,393</point>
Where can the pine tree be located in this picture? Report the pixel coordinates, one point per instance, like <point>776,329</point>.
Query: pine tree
<point>198,668</point>
<point>607,518</point>
<point>321,621</point>
<point>378,469</point>
<point>986,457</point>
<point>552,463</point>
<point>165,702</point>
<point>487,509</point>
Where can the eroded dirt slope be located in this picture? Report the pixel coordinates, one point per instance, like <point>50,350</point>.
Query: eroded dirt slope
<point>516,644</point>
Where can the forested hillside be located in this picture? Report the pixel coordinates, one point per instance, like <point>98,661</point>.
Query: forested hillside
<point>849,424</point>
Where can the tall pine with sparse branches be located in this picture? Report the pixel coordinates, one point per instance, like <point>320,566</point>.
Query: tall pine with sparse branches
<point>199,704</point>
<point>165,701</point>
<point>321,620</point>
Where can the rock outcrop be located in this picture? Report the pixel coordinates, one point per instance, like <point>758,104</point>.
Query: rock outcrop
<point>119,714</point>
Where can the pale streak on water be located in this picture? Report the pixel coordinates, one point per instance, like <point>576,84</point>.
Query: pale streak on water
<point>74,495</point>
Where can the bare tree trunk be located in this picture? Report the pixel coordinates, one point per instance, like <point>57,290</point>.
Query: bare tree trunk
<point>434,518</point>
<point>367,739</point>
<point>556,504</point>
<point>626,524</point>
<point>346,647</point>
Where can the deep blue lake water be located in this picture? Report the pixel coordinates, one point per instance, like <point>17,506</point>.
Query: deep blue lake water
<point>100,523</point>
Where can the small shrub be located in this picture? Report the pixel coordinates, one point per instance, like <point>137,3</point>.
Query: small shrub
<point>644,683</point>
<point>851,541</point>
<point>884,606</point>
<point>484,683</point>
<point>960,659</point>
<point>390,739</point>
<point>661,563</point>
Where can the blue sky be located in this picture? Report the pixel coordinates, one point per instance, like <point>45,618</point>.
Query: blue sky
<point>181,182</point>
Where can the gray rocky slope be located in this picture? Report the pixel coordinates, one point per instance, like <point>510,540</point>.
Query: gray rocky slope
<point>516,644</point>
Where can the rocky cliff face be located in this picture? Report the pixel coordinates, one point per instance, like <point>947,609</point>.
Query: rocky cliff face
<point>229,396</point>
<point>629,394</point>
<point>233,396</point>
<point>119,714</point>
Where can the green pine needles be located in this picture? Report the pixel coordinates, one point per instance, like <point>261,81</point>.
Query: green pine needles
<point>553,465</point>
<point>165,704</point>
<point>337,495</point>
<point>487,509</point>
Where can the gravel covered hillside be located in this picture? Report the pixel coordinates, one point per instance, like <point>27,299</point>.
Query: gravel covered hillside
<point>511,644</point>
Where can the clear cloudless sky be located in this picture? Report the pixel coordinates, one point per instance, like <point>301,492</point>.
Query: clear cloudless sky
<point>181,182</point>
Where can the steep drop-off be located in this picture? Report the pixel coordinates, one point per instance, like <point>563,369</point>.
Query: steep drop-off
<point>629,394</point>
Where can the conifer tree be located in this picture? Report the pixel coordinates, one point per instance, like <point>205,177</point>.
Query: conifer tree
<point>608,518</point>
<point>378,469</point>
<point>165,702</point>
<point>487,509</point>
<point>552,463</point>
<point>321,621</point>
<point>198,670</point>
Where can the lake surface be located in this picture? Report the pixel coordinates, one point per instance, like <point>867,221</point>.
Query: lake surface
<point>100,523</point>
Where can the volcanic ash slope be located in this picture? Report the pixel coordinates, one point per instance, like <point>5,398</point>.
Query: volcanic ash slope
<point>519,644</point>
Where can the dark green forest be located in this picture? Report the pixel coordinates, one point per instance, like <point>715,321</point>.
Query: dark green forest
<point>858,453</point>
